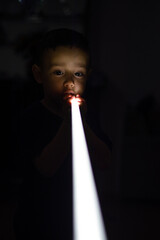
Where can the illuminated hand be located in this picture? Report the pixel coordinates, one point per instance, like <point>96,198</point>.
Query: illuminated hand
<point>66,106</point>
<point>82,103</point>
<point>68,100</point>
<point>79,99</point>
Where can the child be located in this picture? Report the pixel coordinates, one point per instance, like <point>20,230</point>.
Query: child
<point>61,65</point>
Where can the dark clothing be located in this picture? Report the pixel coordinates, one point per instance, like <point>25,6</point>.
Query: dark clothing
<point>45,204</point>
<point>44,208</point>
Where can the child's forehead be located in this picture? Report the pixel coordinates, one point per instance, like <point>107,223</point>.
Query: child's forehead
<point>66,53</point>
<point>64,50</point>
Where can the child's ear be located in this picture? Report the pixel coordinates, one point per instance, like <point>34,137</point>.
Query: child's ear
<point>37,73</point>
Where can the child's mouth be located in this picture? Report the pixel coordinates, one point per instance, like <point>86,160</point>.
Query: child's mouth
<point>69,92</point>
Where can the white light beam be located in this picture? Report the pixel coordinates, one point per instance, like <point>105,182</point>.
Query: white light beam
<point>87,216</point>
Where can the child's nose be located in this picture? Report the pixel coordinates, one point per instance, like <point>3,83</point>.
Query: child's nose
<point>69,83</point>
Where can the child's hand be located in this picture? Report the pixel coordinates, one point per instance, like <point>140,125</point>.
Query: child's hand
<point>82,103</point>
<point>66,106</point>
<point>67,103</point>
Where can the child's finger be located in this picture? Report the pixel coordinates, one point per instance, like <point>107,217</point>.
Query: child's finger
<point>79,99</point>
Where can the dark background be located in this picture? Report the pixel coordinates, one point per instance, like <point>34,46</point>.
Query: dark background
<point>124,38</point>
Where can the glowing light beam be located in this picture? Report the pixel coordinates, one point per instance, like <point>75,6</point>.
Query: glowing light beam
<point>87,216</point>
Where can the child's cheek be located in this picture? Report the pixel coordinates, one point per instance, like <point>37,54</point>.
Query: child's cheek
<point>80,89</point>
<point>58,88</point>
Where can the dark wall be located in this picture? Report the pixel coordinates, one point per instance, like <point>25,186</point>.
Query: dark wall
<point>125,46</point>
<point>125,38</point>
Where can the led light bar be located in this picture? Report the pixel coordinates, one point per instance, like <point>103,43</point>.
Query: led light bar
<point>87,217</point>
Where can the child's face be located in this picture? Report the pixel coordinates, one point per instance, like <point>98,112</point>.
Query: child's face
<point>63,71</point>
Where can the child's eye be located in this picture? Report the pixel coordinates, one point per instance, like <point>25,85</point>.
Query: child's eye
<point>79,74</point>
<point>58,72</point>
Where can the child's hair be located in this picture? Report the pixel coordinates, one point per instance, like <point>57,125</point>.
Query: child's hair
<point>60,37</point>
